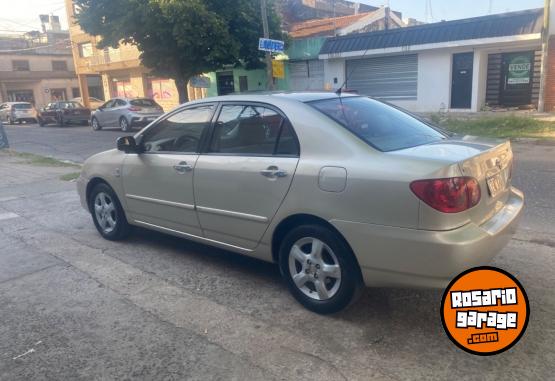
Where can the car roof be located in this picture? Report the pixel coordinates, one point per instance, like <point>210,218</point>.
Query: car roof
<point>300,96</point>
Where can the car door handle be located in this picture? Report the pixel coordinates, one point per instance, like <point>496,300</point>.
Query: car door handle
<point>183,167</point>
<point>273,171</point>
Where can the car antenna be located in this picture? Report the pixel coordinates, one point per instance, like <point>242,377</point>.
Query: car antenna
<point>339,91</point>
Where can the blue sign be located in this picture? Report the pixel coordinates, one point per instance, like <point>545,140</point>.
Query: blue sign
<point>271,45</point>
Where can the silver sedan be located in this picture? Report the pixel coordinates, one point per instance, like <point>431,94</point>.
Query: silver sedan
<point>125,113</point>
<point>341,191</point>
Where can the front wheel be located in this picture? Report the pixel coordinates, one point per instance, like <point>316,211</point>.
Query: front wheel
<point>95,125</point>
<point>320,269</point>
<point>124,125</point>
<point>107,213</point>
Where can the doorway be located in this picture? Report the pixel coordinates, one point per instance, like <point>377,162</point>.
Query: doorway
<point>461,86</point>
<point>225,83</point>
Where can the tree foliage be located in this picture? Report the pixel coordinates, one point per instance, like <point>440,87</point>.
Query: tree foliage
<point>181,38</point>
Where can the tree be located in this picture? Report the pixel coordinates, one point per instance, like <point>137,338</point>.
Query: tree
<point>181,38</point>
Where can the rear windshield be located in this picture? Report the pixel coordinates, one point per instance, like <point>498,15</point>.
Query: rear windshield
<point>71,105</point>
<point>143,103</point>
<point>22,106</point>
<point>378,124</point>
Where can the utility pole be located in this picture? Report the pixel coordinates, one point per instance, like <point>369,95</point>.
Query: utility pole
<point>545,52</point>
<point>269,74</point>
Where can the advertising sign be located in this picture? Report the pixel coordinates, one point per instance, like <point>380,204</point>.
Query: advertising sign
<point>278,69</point>
<point>200,81</point>
<point>519,70</point>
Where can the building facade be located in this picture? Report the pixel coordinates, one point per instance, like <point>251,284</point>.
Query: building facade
<point>37,67</point>
<point>108,73</point>
<point>468,65</point>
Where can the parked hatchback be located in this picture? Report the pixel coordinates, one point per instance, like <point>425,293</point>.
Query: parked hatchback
<point>126,113</point>
<point>18,112</point>
<point>341,191</point>
<point>63,113</point>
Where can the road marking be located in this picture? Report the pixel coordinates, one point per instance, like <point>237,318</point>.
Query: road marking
<point>8,216</point>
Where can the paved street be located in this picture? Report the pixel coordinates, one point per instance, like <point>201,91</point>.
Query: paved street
<point>74,306</point>
<point>73,142</point>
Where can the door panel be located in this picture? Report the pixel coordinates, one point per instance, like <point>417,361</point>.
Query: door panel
<point>235,201</point>
<point>461,89</point>
<point>159,190</point>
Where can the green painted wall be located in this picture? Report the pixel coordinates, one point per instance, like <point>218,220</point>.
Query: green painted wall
<point>301,49</point>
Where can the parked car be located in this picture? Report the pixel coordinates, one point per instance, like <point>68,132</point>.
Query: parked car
<point>17,112</point>
<point>126,113</point>
<point>341,191</point>
<point>93,102</point>
<point>64,112</point>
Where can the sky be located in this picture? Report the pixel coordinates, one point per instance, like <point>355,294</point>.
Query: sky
<point>22,15</point>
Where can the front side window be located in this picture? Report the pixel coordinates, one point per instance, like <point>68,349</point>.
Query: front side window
<point>378,124</point>
<point>181,132</point>
<point>247,130</point>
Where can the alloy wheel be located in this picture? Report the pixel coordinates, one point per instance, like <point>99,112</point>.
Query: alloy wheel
<point>314,268</point>
<point>105,212</point>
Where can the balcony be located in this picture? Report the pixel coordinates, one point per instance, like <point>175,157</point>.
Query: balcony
<point>114,59</point>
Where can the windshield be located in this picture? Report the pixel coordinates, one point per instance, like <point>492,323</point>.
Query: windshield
<point>143,103</point>
<point>378,124</point>
<point>22,106</point>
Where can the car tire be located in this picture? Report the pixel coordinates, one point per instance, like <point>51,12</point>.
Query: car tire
<point>61,121</point>
<point>124,124</point>
<point>107,214</point>
<point>320,269</point>
<point>95,125</point>
<point>41,122</point>
<point>10,120</point>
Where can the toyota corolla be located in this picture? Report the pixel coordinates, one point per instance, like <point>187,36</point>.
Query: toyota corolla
<point>341,191</point>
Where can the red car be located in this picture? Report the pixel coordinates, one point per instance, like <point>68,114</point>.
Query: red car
<point>64,112</point>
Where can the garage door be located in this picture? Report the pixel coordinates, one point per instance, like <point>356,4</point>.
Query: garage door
<point>388,78</point>
<point>306,75</point>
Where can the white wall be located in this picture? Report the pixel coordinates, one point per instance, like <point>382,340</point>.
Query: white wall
<point>334,73</point>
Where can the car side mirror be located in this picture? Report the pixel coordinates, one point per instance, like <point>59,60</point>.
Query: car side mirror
<point>127,144</point>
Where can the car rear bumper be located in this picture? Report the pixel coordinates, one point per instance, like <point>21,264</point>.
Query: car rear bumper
<point>142,120</point>
<point>390,256</point>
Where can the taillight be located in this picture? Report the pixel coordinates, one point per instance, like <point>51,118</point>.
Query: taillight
<point>451,195</point>
<point>133,108</point>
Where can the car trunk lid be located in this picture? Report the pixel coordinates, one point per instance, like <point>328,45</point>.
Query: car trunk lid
<point>489,161</point>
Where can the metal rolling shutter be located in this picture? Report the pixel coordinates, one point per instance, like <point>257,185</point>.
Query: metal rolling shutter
<point>306,75</point>
<point>388,78</point>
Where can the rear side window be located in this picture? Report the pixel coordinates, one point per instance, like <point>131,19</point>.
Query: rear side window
<point>252,130</point>
<point>22,106</point>
<point>378,124</point>
<point>143,103</point>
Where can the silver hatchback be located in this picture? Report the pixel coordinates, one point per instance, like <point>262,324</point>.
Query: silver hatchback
<point>340,191</point>
<point>125,113</point>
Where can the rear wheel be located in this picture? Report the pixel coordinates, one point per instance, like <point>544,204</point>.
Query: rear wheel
<point>319,268</point>
<point>10,120</point>
<point>124,124</point>
<point>107,213</point>
<point>95,125</point>
<point>61,121</point>
<point>42,123</point>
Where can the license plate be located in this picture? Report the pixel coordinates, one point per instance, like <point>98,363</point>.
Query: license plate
<point>496,183</point>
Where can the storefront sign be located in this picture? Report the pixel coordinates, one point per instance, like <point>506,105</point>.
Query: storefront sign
<point>519,70</point>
